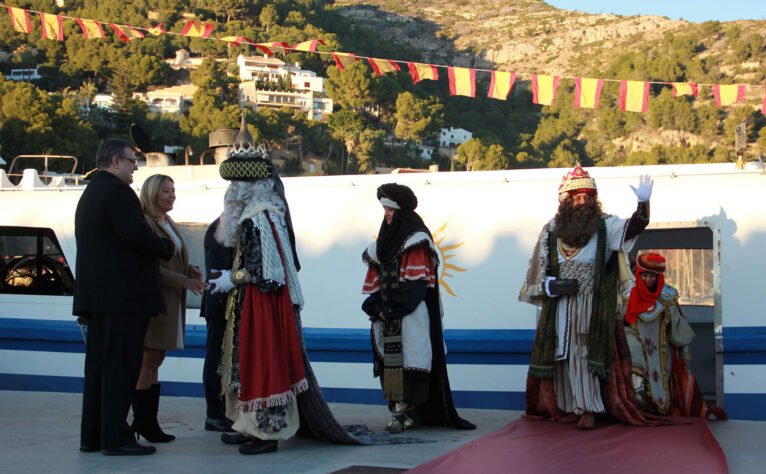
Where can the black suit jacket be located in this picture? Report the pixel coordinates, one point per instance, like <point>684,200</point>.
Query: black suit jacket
<point>117,266</point>
<point>217,257</point>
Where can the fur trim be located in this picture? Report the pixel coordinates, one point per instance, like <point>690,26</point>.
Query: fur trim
<point>276,400</point>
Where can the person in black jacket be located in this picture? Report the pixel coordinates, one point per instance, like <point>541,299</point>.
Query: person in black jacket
<point>116,290</point>
<point>213,309</point>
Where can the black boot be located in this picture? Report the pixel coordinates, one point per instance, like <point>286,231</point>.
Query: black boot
<point>145,416</point>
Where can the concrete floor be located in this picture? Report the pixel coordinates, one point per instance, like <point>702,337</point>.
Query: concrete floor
<point>39,433</point>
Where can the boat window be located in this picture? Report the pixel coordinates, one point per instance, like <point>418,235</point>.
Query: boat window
<point>689,255</point>
<point>194,236</point>
<point>31,262</point>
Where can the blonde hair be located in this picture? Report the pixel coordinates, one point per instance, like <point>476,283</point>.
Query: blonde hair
<point>149,192</point>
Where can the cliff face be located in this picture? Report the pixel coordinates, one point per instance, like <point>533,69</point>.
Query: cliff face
<point>526,35</point>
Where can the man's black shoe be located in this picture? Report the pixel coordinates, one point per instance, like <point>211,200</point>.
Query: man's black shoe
<point>258,446</point>
<point>215,424</point>
<point>235,438</point>
<point>132,449</point>
<point>87,448</point>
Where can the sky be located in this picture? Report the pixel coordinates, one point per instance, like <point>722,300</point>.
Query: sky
<point>690,10</point>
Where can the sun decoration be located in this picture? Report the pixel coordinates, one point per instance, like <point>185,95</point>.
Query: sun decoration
<point>445,255</point>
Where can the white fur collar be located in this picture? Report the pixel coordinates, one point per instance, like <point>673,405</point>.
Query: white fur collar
<point>412,240</point>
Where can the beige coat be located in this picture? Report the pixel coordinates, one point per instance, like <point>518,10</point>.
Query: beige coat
<point>166,330</point>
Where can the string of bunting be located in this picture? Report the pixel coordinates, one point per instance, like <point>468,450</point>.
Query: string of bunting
<point>634,95</point>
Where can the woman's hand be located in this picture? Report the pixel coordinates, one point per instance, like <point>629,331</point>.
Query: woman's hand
<point>195,285</point>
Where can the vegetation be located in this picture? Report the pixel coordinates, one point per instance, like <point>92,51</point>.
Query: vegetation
<point>378,121</point>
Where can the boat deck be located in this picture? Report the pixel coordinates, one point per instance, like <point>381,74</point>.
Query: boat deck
<point>39,433</point>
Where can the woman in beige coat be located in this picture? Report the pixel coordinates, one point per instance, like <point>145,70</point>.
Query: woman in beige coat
<point>166,331</point>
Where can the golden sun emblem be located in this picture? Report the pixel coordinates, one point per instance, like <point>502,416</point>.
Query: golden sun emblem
<point>444,251</point>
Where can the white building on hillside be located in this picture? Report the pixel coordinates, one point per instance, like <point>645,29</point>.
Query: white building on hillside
<point>314,106</point>
<point>172,100</point>
<point>253,67</point>
<point>453,137</point>
<point>306,94</point>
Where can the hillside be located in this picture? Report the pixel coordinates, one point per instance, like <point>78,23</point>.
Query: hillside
<point>532,36</point>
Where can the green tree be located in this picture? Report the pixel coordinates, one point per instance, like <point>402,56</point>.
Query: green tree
<point>417,119</point>
<point>350,88</point>
<point>346,127</point>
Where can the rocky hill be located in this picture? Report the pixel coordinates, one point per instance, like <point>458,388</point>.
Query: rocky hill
<point>534,37</point>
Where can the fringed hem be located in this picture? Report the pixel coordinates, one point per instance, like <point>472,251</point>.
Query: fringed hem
<point>540,372</point>
<point>598,369</point>
<point>280,399</point>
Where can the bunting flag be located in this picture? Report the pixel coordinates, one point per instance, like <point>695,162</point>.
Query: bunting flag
<point>157,30</point>
<point>685,88</point>
<point>20,19</point>
<point>197,29</point>
<point>91,29</point>
<point>308,46</point>
<point>126,33</point>
<point>634,96</point>
<point>343,60</point>
<point>383,66</point>
<point>462,81</point>
<point>544,88</point>
<point>728,94</point>
<point>421,72</point>
<point>272,48</point>
<point>52,26</point>
<point>501,84</point>
<point>587,92</point>
<point>236,40</point>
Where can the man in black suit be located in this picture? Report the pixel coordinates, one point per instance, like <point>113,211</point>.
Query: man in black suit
<point>213,309</point>
<point>116,290</point>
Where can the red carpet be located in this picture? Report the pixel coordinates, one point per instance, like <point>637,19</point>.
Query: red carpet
<point>535,446</point>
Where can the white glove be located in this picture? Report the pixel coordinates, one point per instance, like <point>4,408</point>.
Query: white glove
<point>547,287</point>
<point>223,283</point>
<point>644,190</point>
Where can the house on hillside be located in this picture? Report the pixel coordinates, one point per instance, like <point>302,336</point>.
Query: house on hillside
<point>453,137</point>
<point>271,82</point>
<point>172,100</point>
<point>24,75</point>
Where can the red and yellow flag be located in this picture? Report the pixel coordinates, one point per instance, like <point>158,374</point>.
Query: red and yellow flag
<point>157,30</point>
<point>501,84</point>
<point>308,46</point>
<point>587,92</point>
<point>52,26</point>
<point>462,81</point>
<point>236,40</point>
<point>383,66</point>
<point>684,88</point>
<point>126,33</point>
<point>544,88</point>
<point>343,60</point>
<point>20,19</point>
<point>197,29</point>
<point>728,94</point>
<point>91,29</point>
<point>634,96</point>
<point>273,48</point>
<point>421,72</point>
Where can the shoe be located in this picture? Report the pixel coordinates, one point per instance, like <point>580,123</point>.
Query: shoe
<point>587,421</point>
<point>216,424</point>
<point>89,448</point>
<point>133,449</point>
<point>235,438</point>
<point>258,446</point>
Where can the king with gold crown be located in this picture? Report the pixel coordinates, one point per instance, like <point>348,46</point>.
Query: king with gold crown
<point>576,365</point>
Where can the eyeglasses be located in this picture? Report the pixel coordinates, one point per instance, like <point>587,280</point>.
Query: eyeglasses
<point>132,160</point>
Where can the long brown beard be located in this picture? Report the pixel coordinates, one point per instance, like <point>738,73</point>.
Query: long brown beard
<point>576,225</point>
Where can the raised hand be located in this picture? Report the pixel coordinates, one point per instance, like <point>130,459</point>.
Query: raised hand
<point>644,190</point>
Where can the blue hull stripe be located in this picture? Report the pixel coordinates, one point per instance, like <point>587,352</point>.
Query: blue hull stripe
<point>464,399</point>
